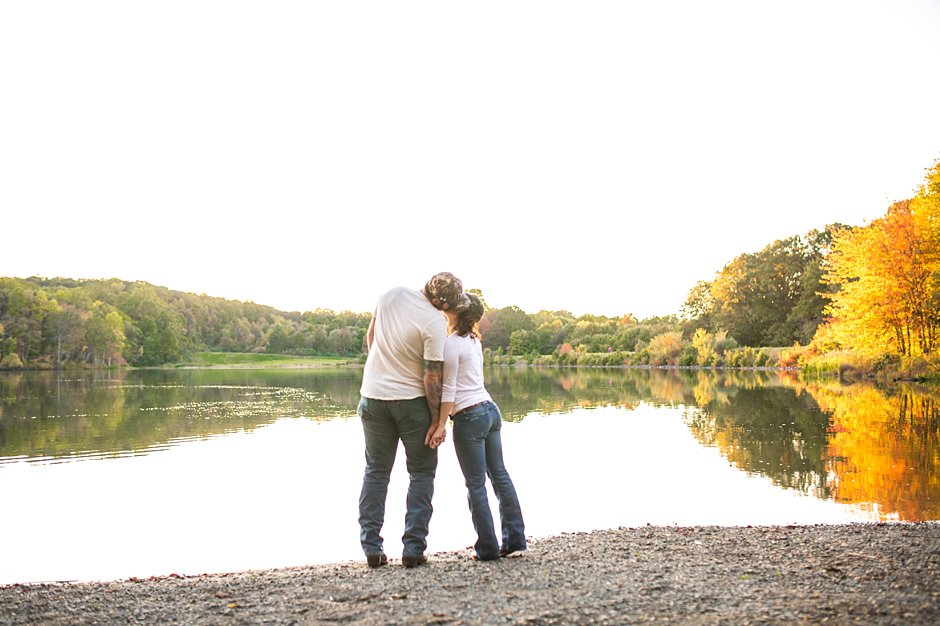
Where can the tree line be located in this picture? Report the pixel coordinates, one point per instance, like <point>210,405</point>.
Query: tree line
<point>842,296</point>
<point>756,305</point>
<point>855,296</point>
<point>63,322</point>
<point>870,290</point>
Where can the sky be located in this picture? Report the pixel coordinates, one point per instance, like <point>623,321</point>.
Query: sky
<point>597,157</point>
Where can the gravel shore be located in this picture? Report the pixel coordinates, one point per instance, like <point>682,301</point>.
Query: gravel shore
<point>854,574</point>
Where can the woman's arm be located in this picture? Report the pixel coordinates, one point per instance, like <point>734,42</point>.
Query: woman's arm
<point>438,430</point>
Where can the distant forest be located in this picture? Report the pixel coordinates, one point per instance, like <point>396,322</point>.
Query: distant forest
<point>871,291</point>
<point>62,322</point>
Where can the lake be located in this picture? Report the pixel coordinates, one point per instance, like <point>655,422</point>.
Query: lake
<point>115,474</point>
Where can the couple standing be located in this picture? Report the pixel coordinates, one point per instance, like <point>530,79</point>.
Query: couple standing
<point>422,368</point>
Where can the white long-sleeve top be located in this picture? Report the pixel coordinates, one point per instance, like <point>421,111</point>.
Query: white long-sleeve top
<point>463,372</point>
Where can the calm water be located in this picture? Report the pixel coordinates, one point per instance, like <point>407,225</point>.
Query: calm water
<point>109,475</point>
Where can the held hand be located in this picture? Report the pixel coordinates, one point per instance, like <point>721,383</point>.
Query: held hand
<point>436,436</point>
<point>430,435</point>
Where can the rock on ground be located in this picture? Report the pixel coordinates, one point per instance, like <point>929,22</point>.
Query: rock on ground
<point>848,574</point>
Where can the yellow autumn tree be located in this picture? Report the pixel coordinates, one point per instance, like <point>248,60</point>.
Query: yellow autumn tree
<point>887,273</point>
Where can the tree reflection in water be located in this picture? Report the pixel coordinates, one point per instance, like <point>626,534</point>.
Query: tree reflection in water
<point>861,444</point>
<point>877,447</point>
<point>63,414</point>
<point>884,448</point>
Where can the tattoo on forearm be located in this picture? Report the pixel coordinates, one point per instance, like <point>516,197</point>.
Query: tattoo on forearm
<point>433,385</point>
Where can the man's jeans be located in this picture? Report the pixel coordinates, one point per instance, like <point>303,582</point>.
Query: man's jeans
<point>479,448</point>
<point>384,423</point>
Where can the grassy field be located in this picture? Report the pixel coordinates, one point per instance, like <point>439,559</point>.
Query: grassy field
<point>247,359</point>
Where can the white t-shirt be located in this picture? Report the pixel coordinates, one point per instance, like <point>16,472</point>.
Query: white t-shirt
<point>408,331</point>
<point>463,372</point>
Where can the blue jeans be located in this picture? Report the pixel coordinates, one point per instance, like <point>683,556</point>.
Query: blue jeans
<point>479,448</point>
<point>384,423</point>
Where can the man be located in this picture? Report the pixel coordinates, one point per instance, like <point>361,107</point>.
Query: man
<point>401,391</point>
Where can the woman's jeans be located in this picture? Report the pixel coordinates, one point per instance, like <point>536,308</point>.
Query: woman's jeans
<point>384,423</point>
<point>478,443</point>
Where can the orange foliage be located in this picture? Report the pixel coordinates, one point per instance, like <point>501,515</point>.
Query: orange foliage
<point>884,450</point>
<point>888,296</point>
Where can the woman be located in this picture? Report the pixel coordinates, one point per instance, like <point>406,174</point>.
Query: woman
<point>477,439</point>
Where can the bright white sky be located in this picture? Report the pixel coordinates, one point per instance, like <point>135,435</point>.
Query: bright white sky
<point>599,157</point>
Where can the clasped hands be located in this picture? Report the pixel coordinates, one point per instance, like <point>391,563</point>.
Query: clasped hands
<point>436,436</point>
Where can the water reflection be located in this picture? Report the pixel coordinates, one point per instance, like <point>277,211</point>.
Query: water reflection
<point>90,414</point>
<point>875,447</point>
<point>860,444</point>
<point>520,392</point>
<point>884,448</point>
<point>773,430</point>
<point>174,456</point>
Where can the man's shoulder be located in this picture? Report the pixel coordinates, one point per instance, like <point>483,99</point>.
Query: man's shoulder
<point>397,292</point>
<point>395,298</point>
<point>406,298</point>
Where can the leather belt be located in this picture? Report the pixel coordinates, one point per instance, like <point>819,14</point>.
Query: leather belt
<point>467,408</point>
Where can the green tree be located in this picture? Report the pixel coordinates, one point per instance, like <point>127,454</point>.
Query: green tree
<point>524,342</point>
<point>279,339</point>
<point>343,341</point>
<point>498,325</point>
<point>317,338</point>
<point>45,319</point>
<point>104,335</point>
<point>808,310</point>
<point>767,298</point>
<point>478,293</point>
<point>699,307</point>
<point>22,311</point>
<point>154,331</point>
<point>65,333</point>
